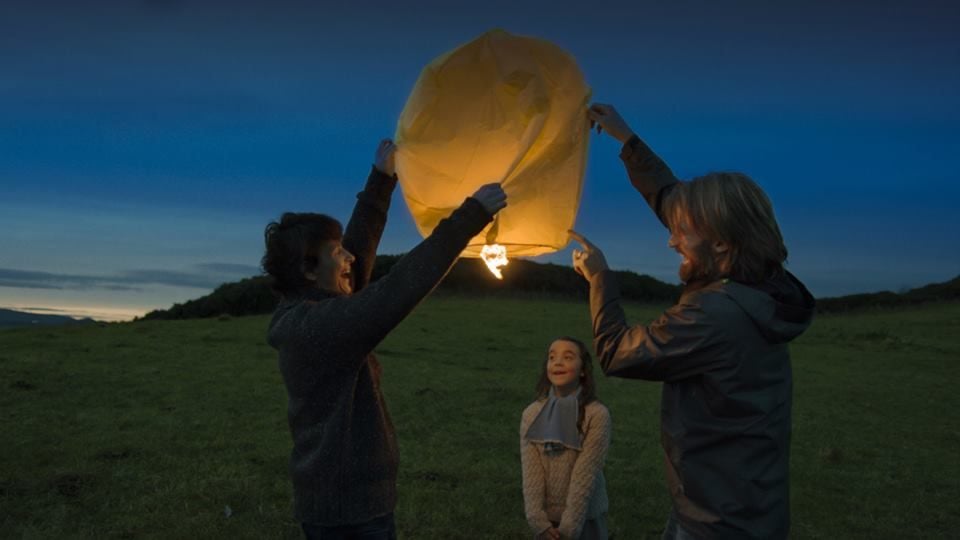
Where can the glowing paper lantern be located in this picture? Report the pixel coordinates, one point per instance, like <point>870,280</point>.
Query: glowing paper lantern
<point>502,108</point>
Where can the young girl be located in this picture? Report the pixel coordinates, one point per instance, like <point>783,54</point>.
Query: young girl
<point>564,436</point>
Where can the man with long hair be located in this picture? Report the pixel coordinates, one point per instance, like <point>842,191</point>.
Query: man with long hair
<point>721,351</point>
<point>329,320</point>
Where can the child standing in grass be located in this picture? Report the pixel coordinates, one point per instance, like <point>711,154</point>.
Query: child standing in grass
<point>564,436</point>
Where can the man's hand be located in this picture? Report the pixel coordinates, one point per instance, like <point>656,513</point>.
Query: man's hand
<point>491,197</point>
<point>550,534</point>
<point>384,160</point>
<point>589,261</point>
<point>606,118</point>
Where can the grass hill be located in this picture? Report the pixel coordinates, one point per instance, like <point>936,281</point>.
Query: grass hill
<point>528,279</point>
<point>177,429</point>
<point>934,292</point>
<point>12,318</point>
<point>522,278</point>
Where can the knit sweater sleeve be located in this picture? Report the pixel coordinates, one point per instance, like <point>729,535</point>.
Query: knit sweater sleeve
<point>586,472</point>
<point>534,482</point>
<point>362,320</point>
<point>366,225</point>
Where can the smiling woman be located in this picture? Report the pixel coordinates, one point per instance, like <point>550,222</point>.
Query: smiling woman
<point>333,271</point>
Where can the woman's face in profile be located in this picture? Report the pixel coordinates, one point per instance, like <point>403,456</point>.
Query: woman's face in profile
<point>333,272</point>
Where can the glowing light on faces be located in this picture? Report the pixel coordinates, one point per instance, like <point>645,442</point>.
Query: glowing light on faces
<point>494,256</point>
<point>564,366</point>
<point>333,272</point>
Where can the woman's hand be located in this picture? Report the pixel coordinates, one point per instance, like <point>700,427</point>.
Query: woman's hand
<point>384,159</point>
<point>491,197</point>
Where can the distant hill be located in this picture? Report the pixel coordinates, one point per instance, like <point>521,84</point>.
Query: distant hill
<point>252,296</point>
<point>10,318</point>
<point>467,277</point>
<point>935,292</point>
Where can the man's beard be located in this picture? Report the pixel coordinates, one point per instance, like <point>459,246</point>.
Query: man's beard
<point>700,267</point>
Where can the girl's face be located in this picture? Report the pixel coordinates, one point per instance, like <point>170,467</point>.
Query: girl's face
<point>564,366</point>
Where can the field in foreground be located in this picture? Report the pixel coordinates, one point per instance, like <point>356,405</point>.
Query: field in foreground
<point>177,429</point>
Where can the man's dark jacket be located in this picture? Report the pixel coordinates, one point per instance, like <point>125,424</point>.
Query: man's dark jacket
<point>722,355</point>
<point>344,458</point>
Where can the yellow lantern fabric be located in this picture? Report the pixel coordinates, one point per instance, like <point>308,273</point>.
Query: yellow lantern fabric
<point>501,108</point>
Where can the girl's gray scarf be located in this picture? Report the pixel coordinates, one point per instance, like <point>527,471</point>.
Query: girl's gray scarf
<point>557,422</point>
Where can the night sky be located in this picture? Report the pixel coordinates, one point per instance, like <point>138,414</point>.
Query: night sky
<point>144,145</point>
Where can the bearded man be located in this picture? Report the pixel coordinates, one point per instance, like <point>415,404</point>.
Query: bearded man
<point>721,351</point>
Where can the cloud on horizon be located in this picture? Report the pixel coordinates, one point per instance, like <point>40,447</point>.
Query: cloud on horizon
<point>200,276</point>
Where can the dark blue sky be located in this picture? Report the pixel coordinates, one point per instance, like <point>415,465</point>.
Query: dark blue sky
<point>144,145</point>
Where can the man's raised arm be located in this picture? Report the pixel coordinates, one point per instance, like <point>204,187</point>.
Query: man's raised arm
<point>648,173</point>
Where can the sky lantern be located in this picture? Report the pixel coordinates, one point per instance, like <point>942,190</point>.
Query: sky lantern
<point>501,108</point>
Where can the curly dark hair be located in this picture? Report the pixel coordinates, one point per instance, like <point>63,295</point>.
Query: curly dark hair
<point>588,386</point>
<point>292,245</point>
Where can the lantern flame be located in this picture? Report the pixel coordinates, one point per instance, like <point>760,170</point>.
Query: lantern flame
<point>495,256</point>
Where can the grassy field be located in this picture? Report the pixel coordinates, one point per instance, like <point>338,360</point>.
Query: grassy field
<point>178,430</point>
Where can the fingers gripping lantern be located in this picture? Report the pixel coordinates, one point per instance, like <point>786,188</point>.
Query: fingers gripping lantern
<point>501,108</point>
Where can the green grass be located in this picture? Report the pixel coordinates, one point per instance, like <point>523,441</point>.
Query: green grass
<point>153,429</point>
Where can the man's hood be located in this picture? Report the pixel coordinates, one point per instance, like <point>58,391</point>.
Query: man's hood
<point>781,307</point>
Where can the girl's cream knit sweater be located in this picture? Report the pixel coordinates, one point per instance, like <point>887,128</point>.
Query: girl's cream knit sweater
<point>565,486</point>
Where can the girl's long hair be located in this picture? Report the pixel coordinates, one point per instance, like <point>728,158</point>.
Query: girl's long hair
<point>588,387</point>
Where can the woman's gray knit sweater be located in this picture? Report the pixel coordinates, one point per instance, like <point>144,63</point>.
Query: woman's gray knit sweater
<point>344,458</point>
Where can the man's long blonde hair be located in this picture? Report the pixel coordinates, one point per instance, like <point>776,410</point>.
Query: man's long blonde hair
<point>731,208</point>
